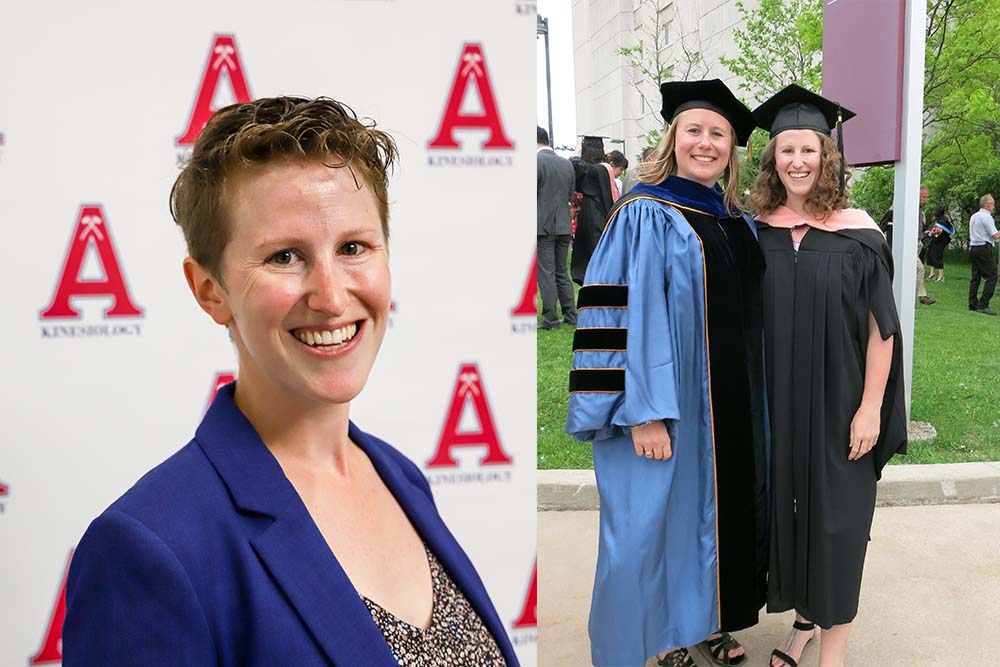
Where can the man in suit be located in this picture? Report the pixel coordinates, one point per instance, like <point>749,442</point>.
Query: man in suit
<point>556,183</point>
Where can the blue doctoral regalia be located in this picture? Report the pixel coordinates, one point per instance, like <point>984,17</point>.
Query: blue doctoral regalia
<point>641,354</point>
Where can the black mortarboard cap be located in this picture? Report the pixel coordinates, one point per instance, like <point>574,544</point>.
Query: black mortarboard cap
<point>592,149</point>
<point>710,94</point>
<point>795,108</point>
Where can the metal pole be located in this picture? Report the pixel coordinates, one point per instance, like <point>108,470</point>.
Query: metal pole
<point>907,187</point>
<point>542,27</point>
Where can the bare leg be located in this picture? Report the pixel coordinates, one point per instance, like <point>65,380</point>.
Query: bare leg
<point>795,644</point>
<point>833,645</point>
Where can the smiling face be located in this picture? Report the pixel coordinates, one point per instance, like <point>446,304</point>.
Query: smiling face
<point>702,145</point>
<point>797,157</point>
<point>306,282</point>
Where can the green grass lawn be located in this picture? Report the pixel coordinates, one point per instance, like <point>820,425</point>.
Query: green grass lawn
<point>956,381</point>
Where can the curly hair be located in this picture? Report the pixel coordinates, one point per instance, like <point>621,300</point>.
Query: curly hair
<point>241,138</point>
<point>825,198</point>
<point>663,162</point>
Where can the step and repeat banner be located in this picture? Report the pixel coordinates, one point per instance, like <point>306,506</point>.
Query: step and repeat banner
<point>107,362</point>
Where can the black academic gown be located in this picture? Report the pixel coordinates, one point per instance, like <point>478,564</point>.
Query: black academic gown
<point>816,304</point>
<point>594,183</point>
<point>733,268</point>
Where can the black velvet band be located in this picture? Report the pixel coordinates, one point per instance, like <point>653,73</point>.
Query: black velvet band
<point>603,296</point>
<point>597,379</point>
<point>600,339</point>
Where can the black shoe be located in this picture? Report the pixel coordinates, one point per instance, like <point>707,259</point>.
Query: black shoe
<point>986,311</point>
<point>570,324</point>
<point>784,657</point>
<point>677,658</point>
<point>718,650</point>
<point>547,327</point>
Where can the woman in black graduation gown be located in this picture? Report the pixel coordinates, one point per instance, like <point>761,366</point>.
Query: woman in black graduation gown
<point>940,233</point>
<point>834,377</point>
<point>594,182</point>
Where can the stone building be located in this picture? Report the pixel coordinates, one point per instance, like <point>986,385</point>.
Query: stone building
<point>619,101</point>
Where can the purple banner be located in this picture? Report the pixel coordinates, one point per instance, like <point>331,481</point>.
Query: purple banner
<point>863,47</point>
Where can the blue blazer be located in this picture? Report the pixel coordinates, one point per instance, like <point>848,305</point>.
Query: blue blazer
<point>212,559</point>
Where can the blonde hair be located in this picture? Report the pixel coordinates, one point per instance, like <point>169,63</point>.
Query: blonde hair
<point>825,198</point>
<point>663,163</point>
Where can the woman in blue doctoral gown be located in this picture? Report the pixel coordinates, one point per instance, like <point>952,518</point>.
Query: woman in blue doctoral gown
<point>667,385</point>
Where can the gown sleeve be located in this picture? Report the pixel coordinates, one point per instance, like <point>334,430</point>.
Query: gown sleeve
<point>879,296</point>
<point>623,367</point>
<point>129,601</point>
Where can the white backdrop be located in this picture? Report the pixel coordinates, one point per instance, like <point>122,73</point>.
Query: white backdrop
<point>93,99</point>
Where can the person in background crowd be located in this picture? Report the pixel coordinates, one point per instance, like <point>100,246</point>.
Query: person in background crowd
<point>618,163</point>
<point>668,386</point>
<point>632,175</point>
<point>940,235</point>
<point>556,183</point>
<point>921,289</point>
<point>282,534</point>
<point>983,236</point>
<point>834,372</point>
<point>594,182</point>
<point>886,225</point>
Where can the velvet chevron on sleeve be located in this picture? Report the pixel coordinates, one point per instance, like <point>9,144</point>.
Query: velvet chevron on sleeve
<point>669,329</point>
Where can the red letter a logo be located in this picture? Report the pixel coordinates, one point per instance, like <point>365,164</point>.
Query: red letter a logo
<point>51,650</point>
<point>91,228</point>
<point>527,304</point>
<point>221,379</point>
<point>528,617</point>
<point>469,387</point>
<point>471,67</point>
<point>222,59</point>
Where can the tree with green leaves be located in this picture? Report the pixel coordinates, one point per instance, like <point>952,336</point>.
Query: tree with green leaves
<point>780,42</point>
<point>664,51</point>
<point>961,115</point>
<point>961,150</point>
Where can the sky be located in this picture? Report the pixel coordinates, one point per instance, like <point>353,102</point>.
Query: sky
<point>560,17</point>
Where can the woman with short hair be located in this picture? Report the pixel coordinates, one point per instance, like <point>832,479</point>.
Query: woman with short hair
<point>283,534</point>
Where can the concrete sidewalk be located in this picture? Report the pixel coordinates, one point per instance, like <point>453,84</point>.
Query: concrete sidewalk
<point>938,484</point>
<point>931,592</point>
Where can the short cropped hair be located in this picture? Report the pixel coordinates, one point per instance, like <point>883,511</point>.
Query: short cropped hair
<point>543,136</point>
<point>984,200</point>
<point>241,138</point>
